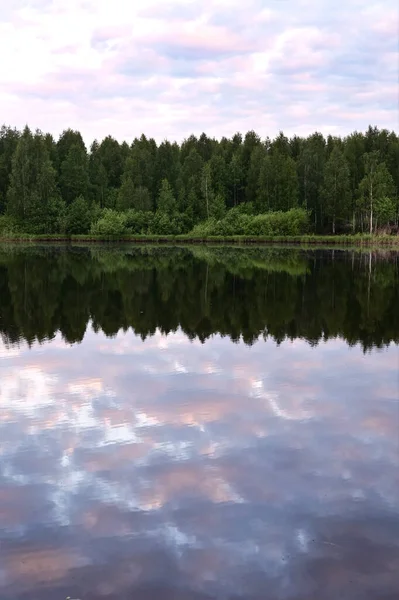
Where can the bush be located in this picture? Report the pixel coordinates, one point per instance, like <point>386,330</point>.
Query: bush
<point>111,224</point>
<point>8,225</point>
<point>138,221</point>
<point>78,217</point>
<point>291,223</point>
<point>245,208</point>
<point>205,228</point>
<point>164,224</point>
<point>45,219</point>
<point>234,223</point>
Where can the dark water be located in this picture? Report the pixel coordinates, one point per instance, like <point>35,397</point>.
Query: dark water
<point>199,424</point>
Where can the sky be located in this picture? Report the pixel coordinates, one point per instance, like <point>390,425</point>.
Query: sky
<point>174,68</point>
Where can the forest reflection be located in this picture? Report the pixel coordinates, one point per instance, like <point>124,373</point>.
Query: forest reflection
<point>242,293</point>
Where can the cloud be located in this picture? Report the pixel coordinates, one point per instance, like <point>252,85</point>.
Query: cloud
<point>170,69</point>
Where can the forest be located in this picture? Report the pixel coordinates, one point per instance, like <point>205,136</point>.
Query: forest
<point>242,293</point>
<point>244,185</point>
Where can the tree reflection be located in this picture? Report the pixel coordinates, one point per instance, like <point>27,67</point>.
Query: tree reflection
<point>240,293</point>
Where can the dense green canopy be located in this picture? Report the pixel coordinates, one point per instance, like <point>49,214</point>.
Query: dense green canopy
<point>346,184</point>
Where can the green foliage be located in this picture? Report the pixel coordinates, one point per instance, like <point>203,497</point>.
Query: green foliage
<point>167,205</point>
<point>111,157</point>
<point>166,166</point>
<point>111,198</point>
<point>236,177</point>
<point>111,224</point>
<point>217,208</point>
<point>257,159</point>
<point>96,212</point>
<point>78,217</point>
<point>163,224</point>
<point>246,208</point>
<point>139,165</point>
<point>8,225</point>
<point>346,184</point>
<point>205,228</point>
<point>97,175</point>
<point>138,221</point>
<point>310,168</point>
<point>137,178</point>
<point>142,198</point>
<point>74,178</point>
<point>8,144</point>
<point>125,194</point>
<point>207,193</point>
<point>385,211</point>
<point>336,189</point>
<point>376,185</point>
<point>32,198</point>
<point>47,218</point>
<point>290,223</point>
<point>212,204</point>
<point>278,183</point>
<point>192,173</point>
<point>67,139</point>
<point>219,172</point>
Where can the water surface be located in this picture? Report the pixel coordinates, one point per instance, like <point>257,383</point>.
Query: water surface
<point>198,424</point>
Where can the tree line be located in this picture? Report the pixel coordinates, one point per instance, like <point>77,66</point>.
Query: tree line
<point>244,294</point>
<point>239,185</point>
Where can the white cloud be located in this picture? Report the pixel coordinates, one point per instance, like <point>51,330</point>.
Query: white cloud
<point>169,69</point>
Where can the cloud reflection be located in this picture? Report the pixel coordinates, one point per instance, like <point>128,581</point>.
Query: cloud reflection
<point>225,467</point>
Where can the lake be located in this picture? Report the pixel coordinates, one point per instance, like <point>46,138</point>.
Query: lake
<point>198,423</point>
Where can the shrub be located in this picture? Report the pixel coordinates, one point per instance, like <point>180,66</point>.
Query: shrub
<point>290,223</point>
<point>138,221</point>
<point>110,224</point>
<point>164,224</point>
<point>8,225</point>
<point>42,219</point>
<point>78,217</point>
<point>204,228</point>
<point>245,208</point>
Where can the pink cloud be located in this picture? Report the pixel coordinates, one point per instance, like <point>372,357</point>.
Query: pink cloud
<point>310,85</point>
<point>387,23</point>
<point>299,111</point>
<point>116,62</point>
<point>201,36</point>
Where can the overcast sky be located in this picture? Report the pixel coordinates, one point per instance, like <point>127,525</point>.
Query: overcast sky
<point>172,68</point>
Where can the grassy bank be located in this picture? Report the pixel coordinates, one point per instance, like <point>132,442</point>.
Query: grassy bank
<point>303,240</point>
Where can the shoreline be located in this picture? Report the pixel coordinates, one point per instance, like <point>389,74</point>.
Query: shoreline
<point>305,240</point>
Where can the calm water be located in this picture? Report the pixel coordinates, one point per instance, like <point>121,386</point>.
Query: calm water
<point>198,424</point>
